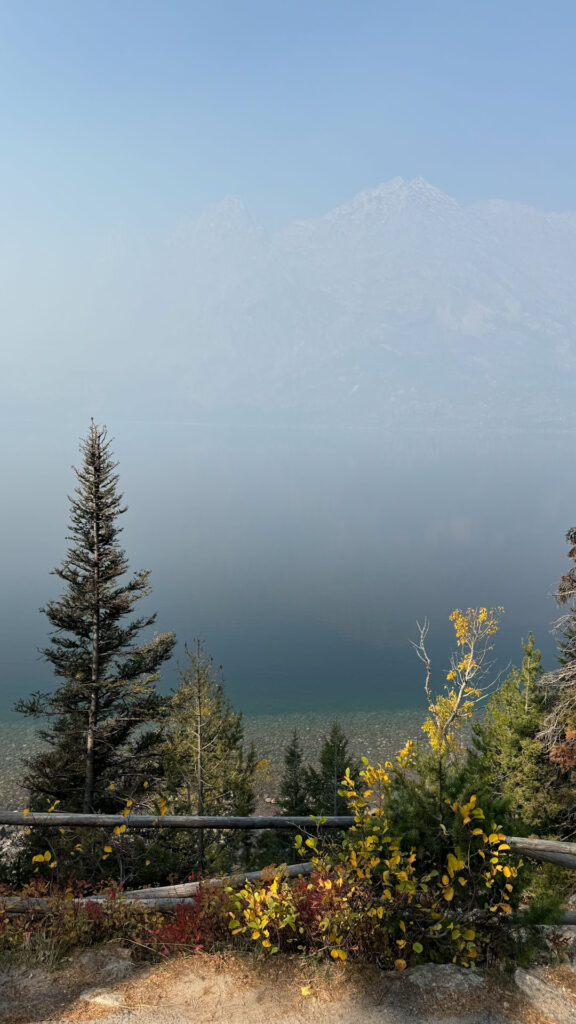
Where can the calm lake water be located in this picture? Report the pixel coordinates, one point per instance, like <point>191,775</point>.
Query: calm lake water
<point>303,557</point>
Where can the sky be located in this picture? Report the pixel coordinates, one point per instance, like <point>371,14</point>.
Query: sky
<point>137,114</point>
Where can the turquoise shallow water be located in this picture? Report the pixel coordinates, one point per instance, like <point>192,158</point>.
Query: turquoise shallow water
<point>373,734</point>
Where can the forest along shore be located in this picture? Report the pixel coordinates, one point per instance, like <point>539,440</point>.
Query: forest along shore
<point>376,735</point>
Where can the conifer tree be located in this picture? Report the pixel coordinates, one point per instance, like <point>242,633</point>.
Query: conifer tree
<point>206,770</point>
<point>324,782</point>
<point>94,739</point>
<point>293,794</point>
<point>511,759</point>
<point>558,729</point>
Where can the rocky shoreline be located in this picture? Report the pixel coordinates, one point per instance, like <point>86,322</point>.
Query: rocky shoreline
<point>376,735</point>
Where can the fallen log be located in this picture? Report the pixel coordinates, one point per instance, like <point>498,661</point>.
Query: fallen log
<point>164,897</point>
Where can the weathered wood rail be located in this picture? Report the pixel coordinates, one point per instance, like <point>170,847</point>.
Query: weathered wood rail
<point>549,850</point>
<point>163,897</point>
<point>55,819</point>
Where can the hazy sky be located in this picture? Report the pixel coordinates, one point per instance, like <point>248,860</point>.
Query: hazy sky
<point>138,112</point>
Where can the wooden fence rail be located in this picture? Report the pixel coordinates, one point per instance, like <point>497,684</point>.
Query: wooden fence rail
<point>56,819</point>
<point>553,851</point>
<point>550,850</point>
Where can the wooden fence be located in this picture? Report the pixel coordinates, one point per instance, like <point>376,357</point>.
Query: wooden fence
<point>548,850</point>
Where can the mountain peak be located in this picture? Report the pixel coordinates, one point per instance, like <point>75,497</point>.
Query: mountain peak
<point>393,197</point>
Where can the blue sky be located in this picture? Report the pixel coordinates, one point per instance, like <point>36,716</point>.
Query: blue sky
<point>139,113</point>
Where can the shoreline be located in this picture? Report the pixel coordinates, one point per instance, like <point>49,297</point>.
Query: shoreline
<point>377,735</point>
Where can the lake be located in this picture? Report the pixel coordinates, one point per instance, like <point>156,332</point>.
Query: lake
<point>303,557</point>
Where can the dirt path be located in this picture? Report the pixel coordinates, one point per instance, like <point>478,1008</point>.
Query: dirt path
<point>100,985</point>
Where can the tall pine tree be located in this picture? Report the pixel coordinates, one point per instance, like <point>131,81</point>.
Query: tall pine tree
<point>94,738</point>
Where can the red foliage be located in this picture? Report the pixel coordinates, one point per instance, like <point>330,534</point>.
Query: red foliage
<point>198,925</point>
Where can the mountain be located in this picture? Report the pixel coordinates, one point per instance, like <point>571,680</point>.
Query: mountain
<point>399,308</point>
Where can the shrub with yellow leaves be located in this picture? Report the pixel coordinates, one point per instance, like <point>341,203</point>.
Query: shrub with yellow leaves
<point>370,896</point>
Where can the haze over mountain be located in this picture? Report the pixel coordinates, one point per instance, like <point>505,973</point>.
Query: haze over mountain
<point>396,306</point>
<point>399,308</point>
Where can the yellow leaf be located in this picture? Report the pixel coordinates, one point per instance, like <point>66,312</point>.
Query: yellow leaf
<point>305,990</point>
<point>402,926</point>
<point>399,965</point>
<point>334,954</point>
<point>266,943</point>
<point>470,935</point>
<point>48,855</point>
<point>146,784</point>
<point>107,849</point>
<point>53,864</point>
<point>341,954</point>
<point>111,786</point>
<point>449,894</point>
<point>119,829</point>
<point>129,803</point>
<point>255,935</point>
<point>147,863</point>
<point>26,811</point>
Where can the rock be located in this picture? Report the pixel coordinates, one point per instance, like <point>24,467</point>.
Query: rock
<point>102,997</point>
<point>442,978</point>
<point>549,999</point>
<point>107,964</point>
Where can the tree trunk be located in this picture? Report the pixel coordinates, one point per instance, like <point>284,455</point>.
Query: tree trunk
<point>90,733</point>
<point>95,672</point>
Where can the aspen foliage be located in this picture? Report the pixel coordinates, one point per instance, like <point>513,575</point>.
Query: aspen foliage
<point>466,679</point>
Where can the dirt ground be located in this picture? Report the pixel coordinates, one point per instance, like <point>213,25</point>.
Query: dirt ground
<point>102,985</point>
